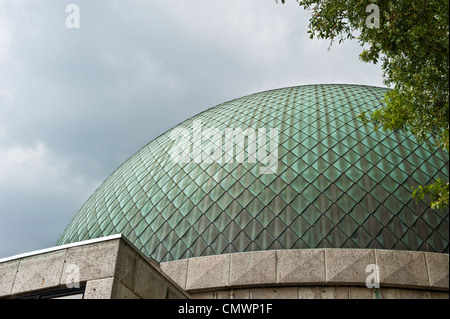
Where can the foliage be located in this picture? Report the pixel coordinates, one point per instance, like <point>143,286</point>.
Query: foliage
<point>438,192</point>
<point>411,41</point>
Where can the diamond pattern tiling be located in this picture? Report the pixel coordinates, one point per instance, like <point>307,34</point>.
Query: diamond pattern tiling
<point>338,184</point>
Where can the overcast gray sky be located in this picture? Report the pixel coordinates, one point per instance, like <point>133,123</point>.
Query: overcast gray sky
<point>76,103</point>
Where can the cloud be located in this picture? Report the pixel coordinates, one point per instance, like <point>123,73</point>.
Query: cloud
<point>35,169</point>
<point>38,195</point>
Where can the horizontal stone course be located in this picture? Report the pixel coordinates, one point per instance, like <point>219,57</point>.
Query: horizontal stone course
<point>350,267</point>
<point>320,292</point>
<point>115,269</point>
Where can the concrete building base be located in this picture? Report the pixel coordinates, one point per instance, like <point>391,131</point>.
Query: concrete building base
<point>320,292</point>
<point>314,274</point>
<point>107,268</point>
<point>112,268</point>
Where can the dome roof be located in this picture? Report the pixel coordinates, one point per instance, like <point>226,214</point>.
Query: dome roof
<point>335,183</point>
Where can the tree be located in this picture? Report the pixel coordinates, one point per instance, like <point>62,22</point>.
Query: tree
<point>410,38</point>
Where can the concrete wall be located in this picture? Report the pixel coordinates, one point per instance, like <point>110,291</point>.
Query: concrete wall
<point>113,268</point>
<point>109,268</point>
<point>313,273</point>
<point>319,292</point>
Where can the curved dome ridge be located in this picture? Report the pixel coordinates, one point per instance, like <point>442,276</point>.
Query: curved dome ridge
<point>333,182</point>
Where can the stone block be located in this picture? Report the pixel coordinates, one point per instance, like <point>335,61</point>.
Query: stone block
<point>176,270</point>
<point>150,284</point>
<point>335,292</point>
<point>208,272</point>
<point>402,268</point>
<point>348,266</point>
<point>94,260</point>
<point>390,293</point>
<point>99,289</point>
<point>240,293</point>
<point>173,292</point>
<point>253,268</point>
<point>121,291</point>
<point>438,265</point>
<point>202,295</point>
<point>439,295</point>
<point>211,294</point>
<point>301,266</point>
<point>39,271</point>
<point>324,292</point>
<point>8,271</point>
<point>309,293</point>
<point>414,294</point>
<point>275,293</point>
<point>126,265</point>
<point>360,293</point>
<point>222,294</point>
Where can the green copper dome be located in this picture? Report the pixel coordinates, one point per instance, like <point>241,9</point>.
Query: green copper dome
<point>335,183</point>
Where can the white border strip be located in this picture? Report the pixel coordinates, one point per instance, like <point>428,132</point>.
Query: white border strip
<point>55,248</point>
